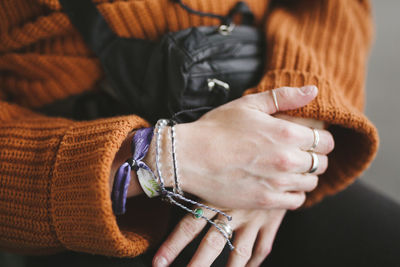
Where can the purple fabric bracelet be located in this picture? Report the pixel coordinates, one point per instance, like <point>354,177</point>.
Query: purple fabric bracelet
<point>140,145</point>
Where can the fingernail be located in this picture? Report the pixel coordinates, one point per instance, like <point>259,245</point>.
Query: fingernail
<point>308,89</point>
<point>161,262</point>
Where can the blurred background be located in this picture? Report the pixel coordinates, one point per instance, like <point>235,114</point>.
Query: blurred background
<point>383,98</point>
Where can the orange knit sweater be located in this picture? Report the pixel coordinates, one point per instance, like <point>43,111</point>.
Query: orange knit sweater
<point>54,188</point>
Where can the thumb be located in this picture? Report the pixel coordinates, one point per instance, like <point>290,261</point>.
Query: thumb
<point>286,98</point>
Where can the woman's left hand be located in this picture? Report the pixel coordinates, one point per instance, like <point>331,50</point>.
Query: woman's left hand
<point>254,230</point>
<point>254,233</point>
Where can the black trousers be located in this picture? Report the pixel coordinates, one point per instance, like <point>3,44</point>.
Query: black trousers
<point>357,227</point>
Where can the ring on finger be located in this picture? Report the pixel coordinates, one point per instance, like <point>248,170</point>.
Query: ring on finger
<point>226,228</point>
<point>316,139</point>
<point>314,162</point>
<point>275,100</point>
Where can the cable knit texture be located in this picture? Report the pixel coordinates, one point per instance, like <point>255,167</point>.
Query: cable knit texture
<point>54,172</point>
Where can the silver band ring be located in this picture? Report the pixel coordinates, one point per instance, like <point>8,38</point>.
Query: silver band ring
<point>316,139</point>
<point>314,164</point>
<point>275,100</point>
<point>226,228</point>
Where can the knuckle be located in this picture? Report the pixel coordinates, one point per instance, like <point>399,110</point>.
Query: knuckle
<point>263,250</point>
<point>215,240</point>
<point>299,202</point>
<point>169,252</point>
<point>242,101</point>
<point>188,227</point>
<point>285,132</point>
<point>313,183</point>
<point>283,162</point>
<point>264,199</point>
<point>246,98</point>
<point>330,143</point>
<point>281,183</point>
<point>293,207</point>
<point>302,199</point>
<point>284,91</point>
<point>243,252</point>
<point>323,164</point>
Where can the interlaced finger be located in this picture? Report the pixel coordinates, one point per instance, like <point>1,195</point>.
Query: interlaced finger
<point>281,200</point>
<point>211,246</point>
<point>265,239</point>
<point>244,242</point>
<point>295,182</point>
<point>184,233</point>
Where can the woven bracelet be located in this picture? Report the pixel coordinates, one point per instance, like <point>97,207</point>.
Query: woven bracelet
<point>140,146</point>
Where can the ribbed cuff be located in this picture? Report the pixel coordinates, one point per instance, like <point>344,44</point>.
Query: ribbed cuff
<point>80,193</point>
<point>356,138</point>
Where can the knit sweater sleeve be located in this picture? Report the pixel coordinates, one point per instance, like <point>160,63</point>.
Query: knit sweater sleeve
<point>326,43</point>
<point>55,192</point>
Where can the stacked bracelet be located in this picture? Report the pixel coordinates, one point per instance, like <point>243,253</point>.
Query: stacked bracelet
<point>170,196</point>
<point>177,187</point>
<point>154,185</point>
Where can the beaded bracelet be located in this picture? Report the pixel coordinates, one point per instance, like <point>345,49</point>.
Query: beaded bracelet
<point>168,195</point>
<point>177,187</point>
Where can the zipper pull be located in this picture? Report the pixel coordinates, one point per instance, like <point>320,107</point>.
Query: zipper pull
<point>213,82</point>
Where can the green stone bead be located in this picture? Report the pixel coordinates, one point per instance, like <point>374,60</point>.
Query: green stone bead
<point>198,213</point>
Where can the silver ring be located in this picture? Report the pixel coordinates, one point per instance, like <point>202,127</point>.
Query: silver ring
<point>316,139</point>
<point>226,228</point>
<point>314,164</point>
<point>275,100</point>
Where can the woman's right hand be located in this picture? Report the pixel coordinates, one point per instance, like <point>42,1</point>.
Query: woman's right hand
<point>238,156</point>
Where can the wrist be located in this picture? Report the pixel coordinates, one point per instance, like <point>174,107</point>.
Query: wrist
<point>184,156</point>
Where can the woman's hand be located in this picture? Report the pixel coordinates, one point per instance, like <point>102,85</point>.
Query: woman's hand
<point>254,230</point>
<point>239,150</point>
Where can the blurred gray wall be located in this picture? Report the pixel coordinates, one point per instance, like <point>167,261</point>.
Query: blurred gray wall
<point>383,97</point>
